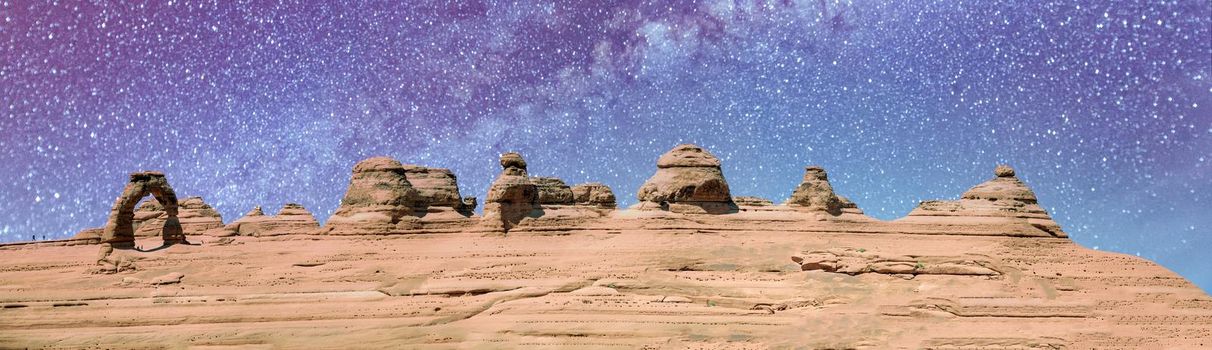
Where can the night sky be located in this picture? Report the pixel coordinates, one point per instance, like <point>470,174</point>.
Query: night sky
<point>1104,107</point>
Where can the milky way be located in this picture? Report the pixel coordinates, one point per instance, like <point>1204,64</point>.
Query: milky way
<point>1105,108</point>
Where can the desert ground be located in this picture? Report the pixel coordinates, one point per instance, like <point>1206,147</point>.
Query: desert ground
<point>405,263</point>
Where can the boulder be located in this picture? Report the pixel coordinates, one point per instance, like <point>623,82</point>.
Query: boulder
<point>687,174</point>
<point>292,219</point>
<point>1003,170</point>
<point>170,278</point>
<point>379,200</point>
<point>552,190</point>
<point>1003,187</point>
<point>513,160</point>
<point>593,193</point>
<point>815,193</point>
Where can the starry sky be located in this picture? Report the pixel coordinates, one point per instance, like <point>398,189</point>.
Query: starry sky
<point>1104,107</point>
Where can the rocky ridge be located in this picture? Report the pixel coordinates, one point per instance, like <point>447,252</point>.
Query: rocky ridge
<point>402,267</point>
<point>293,218</point>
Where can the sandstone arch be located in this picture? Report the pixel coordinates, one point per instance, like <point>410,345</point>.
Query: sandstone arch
<point>119,229</point>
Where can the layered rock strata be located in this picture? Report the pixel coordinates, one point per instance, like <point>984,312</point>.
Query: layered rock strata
<point>439,187</point>
<point>291,219</point>
<point>553,191</point>
<point>987,271</point>
<point>119,229</point>
<point>512,196</point>
<point>659,280</point>
<point>815,193</point>
<point>860,261</point>
<point>193,213</point>
<point>379,200</point>
<point>1004,201</point>
<point>688,179</point>
<point>751,201</point>
<point>593,194</point>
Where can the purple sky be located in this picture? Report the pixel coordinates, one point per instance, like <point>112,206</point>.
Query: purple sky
<point>1105,108</point>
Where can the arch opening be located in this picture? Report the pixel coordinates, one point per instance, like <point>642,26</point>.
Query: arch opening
<point>119,230</point>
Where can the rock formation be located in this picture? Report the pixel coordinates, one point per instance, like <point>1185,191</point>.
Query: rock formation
<point>751,201</point>
<point>1003,187</point>
<point>291,219</point>
<point>439,187</point>
<point>593,194</point>
<point>517,201</point>
<point>849,206</point>
<point>512,195</point>
<point>1004,201</point>
<point>688,179</point>
<point>854,262</point>
<point>89,235</point>
<point>119,229</point>
<point>987,271</point>
<point>194,214</point>
<point>256,211</point>
<point>379,200</point>
<point>552,190</point>
<point>815,193</point>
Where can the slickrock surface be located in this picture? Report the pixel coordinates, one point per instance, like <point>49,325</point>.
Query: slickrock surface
<point>633,280</point>
<point>688,179</point>
<point>983,272</point>
<point>291,219</point>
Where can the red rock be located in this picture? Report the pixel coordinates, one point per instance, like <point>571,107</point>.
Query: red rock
<point>752,201</point>
<point>291,219</point>
<point>379,200</point>
<point>439,187</point>
<point>983,271</point>
<point>815,193</point>
<point>195,216</point>
<point>688,178</point>
<point>512,195</point>
<point>119,228</point>
<point>593,193</point>
<point>552,190</point>
<point>1004,203</point>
